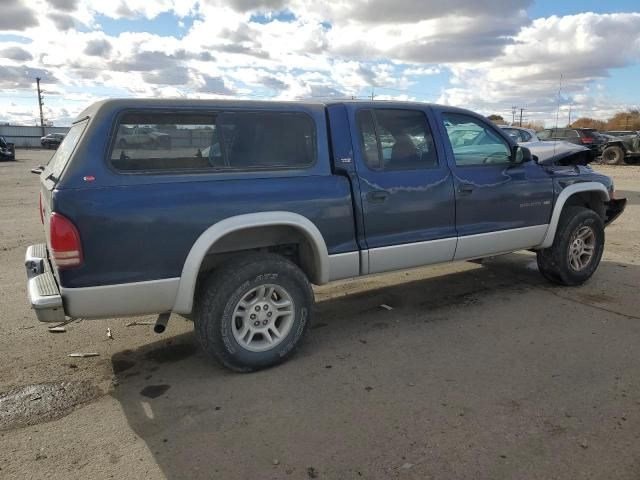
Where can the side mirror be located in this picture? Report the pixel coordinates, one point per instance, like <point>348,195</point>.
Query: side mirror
<point>521,155</point>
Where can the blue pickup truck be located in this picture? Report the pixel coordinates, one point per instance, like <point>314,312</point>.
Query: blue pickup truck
<point>243,206</point>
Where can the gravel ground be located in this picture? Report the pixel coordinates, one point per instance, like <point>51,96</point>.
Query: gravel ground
<point>478,371</point>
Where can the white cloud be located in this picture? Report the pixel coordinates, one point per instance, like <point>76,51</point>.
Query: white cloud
<point>494,54</point>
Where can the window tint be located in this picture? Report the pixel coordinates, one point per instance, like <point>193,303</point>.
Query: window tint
<point>258,140</point>
<point>473,142</point>
<point>571,134</point>
<point>396,140</point>
<point>178,141</point>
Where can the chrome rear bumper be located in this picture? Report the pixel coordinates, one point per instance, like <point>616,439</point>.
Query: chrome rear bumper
<point>44,294</point>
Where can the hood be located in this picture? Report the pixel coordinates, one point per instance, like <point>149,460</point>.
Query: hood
<point>559,153</point>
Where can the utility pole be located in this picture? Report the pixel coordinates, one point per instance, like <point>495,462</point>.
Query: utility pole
<point>40,104</point>
<point>372,95</point>
<point>569,115</point>
<point>521,110</point>
<point>513,114</point>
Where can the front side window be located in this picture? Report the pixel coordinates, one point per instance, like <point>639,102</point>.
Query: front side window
<point>226,141</point>
<point>473,142</point>
<point>396,140</point>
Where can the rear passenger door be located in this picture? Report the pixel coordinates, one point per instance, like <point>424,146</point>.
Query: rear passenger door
<point>406,189</point>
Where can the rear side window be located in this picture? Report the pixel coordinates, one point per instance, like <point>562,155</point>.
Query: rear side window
<point>203,142</point>
<point>267,140</point>
<point>396,140</point>
<point>59,161</point>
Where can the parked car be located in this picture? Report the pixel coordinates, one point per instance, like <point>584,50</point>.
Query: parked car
<point>622,133</point>
<point>52,140</point>
<point>554,151</point>
<point>141,137</point>
<point>288,195</point>
<point>7,150</point>
<point>521,135</point>
<point>618,150</point>
<point>580,136</point>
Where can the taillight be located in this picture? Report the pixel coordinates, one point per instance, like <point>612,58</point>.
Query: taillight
<point>40,208</point>
<point>587,140</point>
<point>66,248</point>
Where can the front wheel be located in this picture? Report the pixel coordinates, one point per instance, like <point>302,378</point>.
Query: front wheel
<point>576,250</point>
<point>253,312</point>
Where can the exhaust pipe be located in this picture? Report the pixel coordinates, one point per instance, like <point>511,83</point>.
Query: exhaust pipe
<point>161,322</point>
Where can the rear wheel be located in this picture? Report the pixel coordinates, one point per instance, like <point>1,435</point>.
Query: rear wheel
<point>613,155</point>
<point>253,312</point>
<point>576,250</point>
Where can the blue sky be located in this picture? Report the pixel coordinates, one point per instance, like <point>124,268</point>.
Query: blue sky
<point>487,55</point>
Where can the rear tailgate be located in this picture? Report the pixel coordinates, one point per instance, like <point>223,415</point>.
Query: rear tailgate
<point>54,170</point>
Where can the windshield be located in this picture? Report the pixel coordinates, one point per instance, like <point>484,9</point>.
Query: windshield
<point>59,161</point>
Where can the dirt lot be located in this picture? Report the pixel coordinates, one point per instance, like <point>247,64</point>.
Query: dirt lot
<point>479,372</point>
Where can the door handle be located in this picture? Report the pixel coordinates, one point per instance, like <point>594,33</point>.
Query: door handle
<point>465,189</point>
<point>378,196</point>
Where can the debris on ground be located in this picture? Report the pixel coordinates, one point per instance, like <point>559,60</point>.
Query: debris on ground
<point>312,472</point>
<point>406,466</point>
<point>83,355</point>
<point>135,323</point>
<point>57,329</point>
<point>109,334</point>
<point>386,307</point>
<point>276,461</point>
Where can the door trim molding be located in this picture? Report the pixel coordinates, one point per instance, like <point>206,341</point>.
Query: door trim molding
<point>498,242</point>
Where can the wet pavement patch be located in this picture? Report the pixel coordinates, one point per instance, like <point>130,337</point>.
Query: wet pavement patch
<point>154,391</point>
<point>43,402</point>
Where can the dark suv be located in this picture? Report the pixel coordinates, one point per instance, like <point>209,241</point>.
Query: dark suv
<point>588,137</point>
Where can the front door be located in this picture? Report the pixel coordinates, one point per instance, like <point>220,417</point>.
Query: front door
<point>501,206</point>
<point>406,189</point>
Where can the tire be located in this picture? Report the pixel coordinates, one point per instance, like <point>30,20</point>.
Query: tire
<point>578,228</point>
<point>613,156</point>
<point>220,318</point>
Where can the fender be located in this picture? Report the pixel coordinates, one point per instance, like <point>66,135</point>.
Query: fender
<point>184,299</point>
<point>562,199</point>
